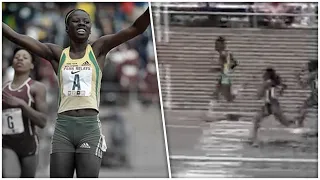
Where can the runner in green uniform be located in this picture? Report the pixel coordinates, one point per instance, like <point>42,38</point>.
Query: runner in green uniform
<point>227,64</point>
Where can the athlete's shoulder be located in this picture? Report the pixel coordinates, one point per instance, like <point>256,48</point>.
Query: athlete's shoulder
<point>37,86</point>
<point>5,84</point>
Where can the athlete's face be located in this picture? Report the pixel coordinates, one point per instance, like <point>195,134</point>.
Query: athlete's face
<point>22,61</point>
<point>79,26</point>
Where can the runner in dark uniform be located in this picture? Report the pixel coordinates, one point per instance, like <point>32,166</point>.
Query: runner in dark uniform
<point>23,108</point>
<point>271,82</point>
<point>312,100</point>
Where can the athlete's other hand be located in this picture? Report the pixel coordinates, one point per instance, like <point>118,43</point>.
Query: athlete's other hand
<point>12,101</point>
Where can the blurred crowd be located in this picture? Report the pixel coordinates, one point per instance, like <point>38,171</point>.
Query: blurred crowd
<point>304,14</point>
<point>129,68</point>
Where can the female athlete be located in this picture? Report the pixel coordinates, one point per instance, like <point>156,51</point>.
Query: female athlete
<point>271,81</point>
<point>23,108</point>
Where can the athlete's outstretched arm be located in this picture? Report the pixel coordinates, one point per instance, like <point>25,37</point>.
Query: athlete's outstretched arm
<point>44,50</point>
<point>108,42</point>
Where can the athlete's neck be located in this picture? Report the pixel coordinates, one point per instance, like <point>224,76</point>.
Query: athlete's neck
<point>77,47</point>
<point>19,79</point>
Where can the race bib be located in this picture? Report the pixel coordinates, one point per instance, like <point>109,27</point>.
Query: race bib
<point>12,122</point>
<point>77,80</point>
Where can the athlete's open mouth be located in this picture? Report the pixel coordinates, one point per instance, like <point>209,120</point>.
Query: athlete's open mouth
<point>81,31</point>
<point>19,64</point>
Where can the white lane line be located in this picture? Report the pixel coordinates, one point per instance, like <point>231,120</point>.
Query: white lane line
<point>182,126</point>
<point>239,123</point>
<point>219,139</point>
<point>208,171</point>
<point>242,159</point>
<point>219,163</point>
<point>290,130</point>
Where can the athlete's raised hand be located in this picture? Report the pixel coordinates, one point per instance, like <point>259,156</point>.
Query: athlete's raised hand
<point>108,42</point>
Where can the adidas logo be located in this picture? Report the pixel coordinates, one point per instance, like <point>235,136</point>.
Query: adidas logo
<point>86,64</point>
<point>85,145</point>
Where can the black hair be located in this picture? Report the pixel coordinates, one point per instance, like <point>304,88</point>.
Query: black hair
<point>220,39</point>
<point>70,13</point>
<point>18,49</point>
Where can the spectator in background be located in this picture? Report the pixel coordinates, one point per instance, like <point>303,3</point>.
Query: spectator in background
<point>275,21</point>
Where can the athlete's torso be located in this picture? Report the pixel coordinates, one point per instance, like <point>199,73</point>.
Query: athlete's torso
<point>270,93</point>
<point>14,123</point>
<point>79,81</point>
<point>225,62</point>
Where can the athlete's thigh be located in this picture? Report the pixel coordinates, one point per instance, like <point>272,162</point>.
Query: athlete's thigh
<point>62,164</point>
<point>62,137</point>
<point>10,164</point>
<point>275,107</point>
<point>278,113</point>
<point>29,166</point>
<point>87,165</point>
